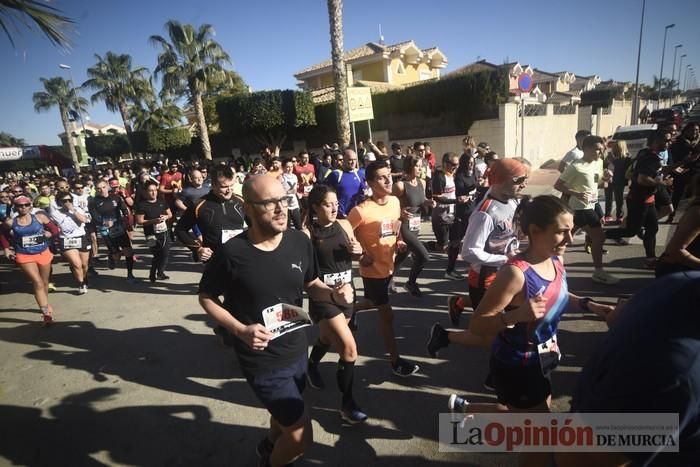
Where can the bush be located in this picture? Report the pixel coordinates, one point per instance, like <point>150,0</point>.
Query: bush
<point>107,146</point>
<point>168,140</point>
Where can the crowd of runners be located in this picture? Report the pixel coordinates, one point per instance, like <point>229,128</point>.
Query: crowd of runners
<point>271,229</point>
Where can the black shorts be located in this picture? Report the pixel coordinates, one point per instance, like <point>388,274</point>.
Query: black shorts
<point>115,244</point>
<point>586,218</point>
<point>322,310</point>
<point>522,387</point>
<point>377,290</point>
<point>476,294</point>
<point>280,391</point>
<point>662,197</point>
<point>76,243</point>
<point>90,228</point>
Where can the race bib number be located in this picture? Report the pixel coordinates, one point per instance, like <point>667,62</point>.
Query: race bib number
<point>228,234</point>
<point>414,223</point>
<point>116,230</point>
<point>331,279</point>
<point>32,240</point>
<point>549,355</point>
<point>387,228</point>
<point>308,188</point>
<point>72,242</point>
<point>283,318</point>
<point>160,227</point>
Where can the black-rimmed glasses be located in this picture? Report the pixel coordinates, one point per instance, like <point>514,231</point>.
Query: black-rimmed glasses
<point>272,203</point>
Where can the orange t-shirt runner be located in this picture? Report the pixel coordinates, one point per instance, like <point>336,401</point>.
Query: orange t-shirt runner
<point>376,227</point>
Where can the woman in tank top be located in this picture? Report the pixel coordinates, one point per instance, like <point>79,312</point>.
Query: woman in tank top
<point>30,234</point>
<point>411,194</point>
<point>73,241</point>
<point>335,246</point>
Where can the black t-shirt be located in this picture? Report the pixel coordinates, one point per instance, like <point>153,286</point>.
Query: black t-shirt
<point>152,211</point>
<point>649,164</point>
<point>396,164</point>
<point>191,194</point>
<point>648,362</point>
<point>252,280</point>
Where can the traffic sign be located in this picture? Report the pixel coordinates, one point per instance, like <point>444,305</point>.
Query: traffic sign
<point>525,82</point>
<point>360,104</point>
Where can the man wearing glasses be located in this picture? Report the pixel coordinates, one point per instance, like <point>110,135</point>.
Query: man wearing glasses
<point>262,275</point>
<point>349,183</point>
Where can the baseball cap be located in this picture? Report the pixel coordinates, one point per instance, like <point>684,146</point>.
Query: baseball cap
<point>22,199</point>
<point>114,183</point>
<point>395,145</point>
<point>370,157</point>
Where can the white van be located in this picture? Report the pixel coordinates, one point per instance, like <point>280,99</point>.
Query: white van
<point>635,136</point>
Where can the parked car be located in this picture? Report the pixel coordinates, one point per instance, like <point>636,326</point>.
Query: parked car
<point>662,116</point>
<point>680,108</point>
<point>635,136</point>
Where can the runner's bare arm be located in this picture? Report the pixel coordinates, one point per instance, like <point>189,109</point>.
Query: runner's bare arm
<point>342,294</point>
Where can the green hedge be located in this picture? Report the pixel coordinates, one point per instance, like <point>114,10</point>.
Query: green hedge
<point>107,146</point>
<point>171,139</point>
<point>154,141</point>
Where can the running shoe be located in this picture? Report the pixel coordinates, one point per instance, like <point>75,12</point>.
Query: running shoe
<point>353,414</point>
<point>110,262</point>
<point>92,271</point>
<point>437,339</point>
<point>82,290</point>
<point>313,376</point>
<point>404,368</point>
<point>621,242</point>
<point>162,277</point>
<point>649,263</point>
<point>412,289</point>
<point>603,277</point>
<point>47,317</point>
<point>264,447</point>
<point>51,287</point>
<point>392,287</point>
<point>589,250</point>
<point>453,276</point>
<point>607,219</point>
<point>457,404</point>
<point>131,279</point>
<point>453,310</point>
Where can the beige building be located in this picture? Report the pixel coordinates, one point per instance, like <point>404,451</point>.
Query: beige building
<point>381,67</point>
<point>94,128</point>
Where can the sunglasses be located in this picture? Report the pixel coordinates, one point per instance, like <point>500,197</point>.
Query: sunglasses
<point>65,200</point>
<point>519,180</point>
<point>25,205</point>
<point>77,187</point>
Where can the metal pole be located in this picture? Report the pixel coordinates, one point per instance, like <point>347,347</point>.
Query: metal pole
<point>635,104</point>
<point>680,70</point>
<point>663,52</point>
<point>685,80</point>
<point>522,128</point>
<point>354,136</point>
<point>673,73</point>
<point>369,128</point>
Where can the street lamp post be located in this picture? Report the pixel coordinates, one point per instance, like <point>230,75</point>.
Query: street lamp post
<point>635,103</point>
<point>663,52</point>
<point>673,73</point>
<point>77,102</point>
<point>680,70</point>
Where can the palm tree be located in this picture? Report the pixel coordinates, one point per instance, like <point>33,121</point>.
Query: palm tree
<point>116,83</point>
<point>151,114</point>
<point>50,20</point>
<point>187,64</point>
<point>61,93</point>
<point>342,121</point>
<point>7,140</point>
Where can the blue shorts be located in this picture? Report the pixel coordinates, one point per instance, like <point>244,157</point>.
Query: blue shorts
<point>280,391</point>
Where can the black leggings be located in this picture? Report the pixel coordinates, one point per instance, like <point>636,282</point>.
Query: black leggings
<point>160,254</point>
<point>639,215</point>
<point>415,246</point>
<point>294,216</point>
<point>616,193</point>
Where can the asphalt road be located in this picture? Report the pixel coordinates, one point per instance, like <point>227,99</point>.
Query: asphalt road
<point>132,374</point>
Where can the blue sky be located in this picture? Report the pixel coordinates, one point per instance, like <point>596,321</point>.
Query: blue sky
<point>269,40</point>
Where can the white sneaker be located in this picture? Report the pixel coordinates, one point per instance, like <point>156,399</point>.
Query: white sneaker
<point>82,290</point>
<point>603,277</point>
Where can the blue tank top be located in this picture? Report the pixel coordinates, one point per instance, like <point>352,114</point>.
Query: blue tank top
<point>29,239</point>
<point>517,346</point>
<point>349,187</point>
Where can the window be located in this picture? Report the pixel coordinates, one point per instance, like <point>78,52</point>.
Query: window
<point>423,75</point>
<point>357,75</point>
<point>400,69</point>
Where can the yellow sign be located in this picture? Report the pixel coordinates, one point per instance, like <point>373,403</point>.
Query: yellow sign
<point>360,104</point>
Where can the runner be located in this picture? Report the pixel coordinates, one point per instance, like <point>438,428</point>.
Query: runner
<point>443,189</point>
<point>306,175</point>
<point>110,214</point>
<point>289,182</point>
<point>522,308</point>
<point>153,214</point>
<point>81,200</point>
<point>580,182</point>
<point>73,240</point>
<point>31,251</point>
<point>262,274</point>
<point>335,246</point>
<point>465,179</point>
<point>411,194</point>
<point>348,183</point>
<point>376,223</point>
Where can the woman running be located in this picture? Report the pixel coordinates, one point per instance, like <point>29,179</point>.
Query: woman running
<point>73,240</point>
<point>335,245</point>
<point>411,194</point>
<point>30,233</point>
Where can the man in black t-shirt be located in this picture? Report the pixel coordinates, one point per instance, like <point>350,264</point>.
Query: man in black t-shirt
<point>153,214</point>
<point>396,162</point>
<point>262,274</point>
<point>647,175</point>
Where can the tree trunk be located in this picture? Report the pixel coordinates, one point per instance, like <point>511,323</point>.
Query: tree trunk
<point>202,124</point>
<point>342,120</point>
<point>125,117</point>
<point>69,138</point>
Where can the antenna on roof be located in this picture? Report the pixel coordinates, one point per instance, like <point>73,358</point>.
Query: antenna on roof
<point>381,38</point>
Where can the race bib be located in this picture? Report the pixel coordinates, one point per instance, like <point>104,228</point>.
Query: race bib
<point>283,318</point>
<point>549,355</point>
<point>308,188</point>
<point>227,234</point>
<point>160,227</point>
<point>387,228</point>
<point>32,240</point>
<point>414,223</point>
<point>117,230</point>
<point>331,279</point>
<point>72,242</point>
